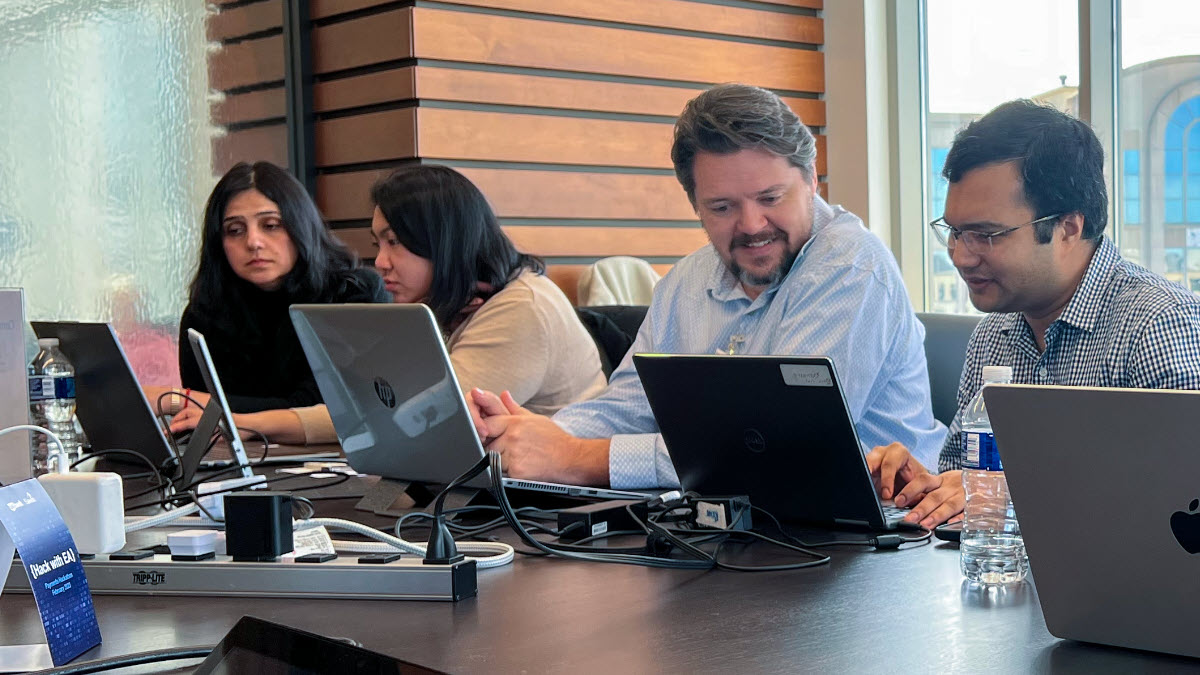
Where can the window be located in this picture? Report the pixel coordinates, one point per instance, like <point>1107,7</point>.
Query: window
<point>1158,105</point>
<point>118,115</point>
<point>981,54</point>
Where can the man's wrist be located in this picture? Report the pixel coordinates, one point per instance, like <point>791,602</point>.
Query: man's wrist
<point>590,461</point>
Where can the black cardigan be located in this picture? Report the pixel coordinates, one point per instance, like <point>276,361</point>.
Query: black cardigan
<point>259,360</point>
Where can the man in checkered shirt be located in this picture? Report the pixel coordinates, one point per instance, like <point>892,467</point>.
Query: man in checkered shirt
<point>1024,225</point>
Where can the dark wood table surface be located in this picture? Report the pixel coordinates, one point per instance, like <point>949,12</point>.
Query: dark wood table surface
<point>896,611</point>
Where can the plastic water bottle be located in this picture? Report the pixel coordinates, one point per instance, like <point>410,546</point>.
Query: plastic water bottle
<point>52,403</point>
<point>991,549</point>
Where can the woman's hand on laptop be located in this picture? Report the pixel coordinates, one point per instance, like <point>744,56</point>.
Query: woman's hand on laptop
<point>171,404</point>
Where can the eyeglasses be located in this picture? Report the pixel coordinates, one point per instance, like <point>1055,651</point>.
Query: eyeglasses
<point>976,242</point>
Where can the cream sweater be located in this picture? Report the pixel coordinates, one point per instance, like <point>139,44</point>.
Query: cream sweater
<point>526,339</point>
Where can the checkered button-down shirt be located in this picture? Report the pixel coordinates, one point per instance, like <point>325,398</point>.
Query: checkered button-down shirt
<point>842,298</point>
<point>1124,327</point>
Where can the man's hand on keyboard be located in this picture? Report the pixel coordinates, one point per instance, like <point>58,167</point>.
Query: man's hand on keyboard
<point>933,498</point>
<point>892,467</point>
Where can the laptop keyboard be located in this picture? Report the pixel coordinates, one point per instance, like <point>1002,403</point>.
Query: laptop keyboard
<point>893,514</point>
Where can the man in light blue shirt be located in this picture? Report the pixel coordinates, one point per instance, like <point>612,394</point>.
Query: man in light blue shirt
<point>784,273</point>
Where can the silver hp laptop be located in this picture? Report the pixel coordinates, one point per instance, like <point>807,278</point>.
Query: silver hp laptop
<point>396,405</point>
<point>775,428</point>
<point>1105,484</point>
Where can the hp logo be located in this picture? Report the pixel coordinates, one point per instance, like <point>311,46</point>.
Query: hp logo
<point>384,391</point>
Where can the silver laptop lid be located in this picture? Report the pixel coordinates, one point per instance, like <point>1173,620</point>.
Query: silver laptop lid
<point>1103,483</point>
<point>14,393</point>
<point>216,396</point>
<point>386,378</point>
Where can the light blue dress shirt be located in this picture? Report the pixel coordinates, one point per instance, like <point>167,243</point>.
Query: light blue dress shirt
<point>842,298</point>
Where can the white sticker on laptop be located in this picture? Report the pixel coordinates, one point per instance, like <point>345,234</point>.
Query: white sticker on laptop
<point>800,375</point>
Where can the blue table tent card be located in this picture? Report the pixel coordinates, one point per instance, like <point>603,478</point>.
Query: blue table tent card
<point>51,561</point>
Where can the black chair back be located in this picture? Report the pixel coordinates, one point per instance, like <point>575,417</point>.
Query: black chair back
<point>613,328</point>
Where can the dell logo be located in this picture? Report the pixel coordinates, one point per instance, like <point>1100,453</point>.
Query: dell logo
<point>384,391</point>
<point>754,440</point>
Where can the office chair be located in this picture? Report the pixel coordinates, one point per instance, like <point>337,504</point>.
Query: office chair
<point>946,338</point>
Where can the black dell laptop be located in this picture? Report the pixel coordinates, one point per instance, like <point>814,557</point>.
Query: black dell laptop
<point>775,428</point>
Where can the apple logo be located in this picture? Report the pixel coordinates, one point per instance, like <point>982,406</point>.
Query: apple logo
<point>1186,527</point>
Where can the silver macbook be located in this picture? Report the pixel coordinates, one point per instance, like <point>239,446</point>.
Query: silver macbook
<point>396,405</point>
<point>1106,487</point>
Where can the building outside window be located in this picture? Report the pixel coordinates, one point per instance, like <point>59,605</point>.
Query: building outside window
<point>980,54</point>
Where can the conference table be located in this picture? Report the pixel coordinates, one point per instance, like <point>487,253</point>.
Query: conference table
<point>906,610</point>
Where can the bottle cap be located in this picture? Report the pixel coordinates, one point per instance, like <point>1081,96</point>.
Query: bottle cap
<point>47,342</point>
<point>997,374</point>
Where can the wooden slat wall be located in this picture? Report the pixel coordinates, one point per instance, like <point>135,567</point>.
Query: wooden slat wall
<point>560,110</point>
<point>246,71</point>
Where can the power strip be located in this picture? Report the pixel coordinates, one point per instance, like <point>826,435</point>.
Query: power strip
<point>404,579</point>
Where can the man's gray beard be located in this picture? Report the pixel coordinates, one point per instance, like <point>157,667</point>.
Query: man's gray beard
<point>770,278</point>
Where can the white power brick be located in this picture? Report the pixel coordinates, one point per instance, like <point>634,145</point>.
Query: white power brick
<point>212,493</point>
<point>93,507</point>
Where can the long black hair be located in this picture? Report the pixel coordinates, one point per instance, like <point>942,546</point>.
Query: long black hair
<point>321,260</point>
<point>438,214</point>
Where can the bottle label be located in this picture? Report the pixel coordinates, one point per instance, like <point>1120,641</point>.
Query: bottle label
<point>47,387</point>
<point>980,452</point>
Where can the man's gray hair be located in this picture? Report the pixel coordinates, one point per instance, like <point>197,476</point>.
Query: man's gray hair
<point>733,117</point>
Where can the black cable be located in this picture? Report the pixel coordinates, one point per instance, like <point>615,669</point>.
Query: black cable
<point>207,514</point>
<point>312,510</point>
<point>266,443</point>
<point>690,547</point>
<point>161,482</point>
<point>481,528</point>
<point>162,419</point>
<point>269,481</point>
<point>129,660</point>
<point>874,540</point>
<point>820,559</point>
<point>627,559</point>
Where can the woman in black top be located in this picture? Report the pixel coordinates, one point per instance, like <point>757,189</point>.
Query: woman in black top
<point>265,247</point>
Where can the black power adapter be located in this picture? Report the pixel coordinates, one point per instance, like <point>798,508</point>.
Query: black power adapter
<point>258,525</point>
<point>599,518</point>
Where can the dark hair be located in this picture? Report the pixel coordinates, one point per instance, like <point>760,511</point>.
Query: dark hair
<point>733,117</point>
<point>320,259</point>
<point>1060,159</point>
<point>441,216</point>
